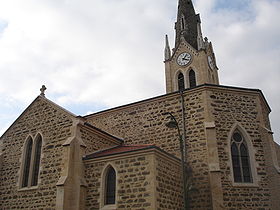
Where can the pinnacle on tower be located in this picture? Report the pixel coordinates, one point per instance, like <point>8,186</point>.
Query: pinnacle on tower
<point>188,23</point>
<point>167,51</point>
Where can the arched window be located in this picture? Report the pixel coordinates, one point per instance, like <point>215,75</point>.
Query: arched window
<point>192,79</point>
<point>110,186</point>
<point>27,162</point>
<point>36,163</point>
<point>31,162</point>
<point>181,82</point>
<point>240,159</point>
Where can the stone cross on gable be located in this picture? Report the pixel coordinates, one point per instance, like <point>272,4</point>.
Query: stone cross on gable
<point>43,89</point>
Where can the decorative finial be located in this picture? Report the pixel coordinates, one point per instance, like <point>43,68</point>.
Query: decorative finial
<point>43,89</point>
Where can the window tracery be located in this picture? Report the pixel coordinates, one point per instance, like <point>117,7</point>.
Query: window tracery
<point>240,159</point>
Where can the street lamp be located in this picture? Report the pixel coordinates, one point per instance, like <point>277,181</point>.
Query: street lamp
<point>174,124</point>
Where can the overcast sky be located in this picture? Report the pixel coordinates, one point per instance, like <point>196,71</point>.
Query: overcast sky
<point>97,54</point>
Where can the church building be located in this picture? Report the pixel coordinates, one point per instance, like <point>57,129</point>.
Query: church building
<point>200,146</point>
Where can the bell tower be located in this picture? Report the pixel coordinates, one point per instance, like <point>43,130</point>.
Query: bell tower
<point>192,62</point>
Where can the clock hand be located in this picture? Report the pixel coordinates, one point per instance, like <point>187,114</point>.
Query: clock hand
<point>185,57</point>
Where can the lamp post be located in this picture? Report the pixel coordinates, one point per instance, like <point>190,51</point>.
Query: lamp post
<point>174,124</point>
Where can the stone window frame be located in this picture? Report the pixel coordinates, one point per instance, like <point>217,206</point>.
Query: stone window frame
<point>251,151</point>
<point>175,79</point>
<point>178,74</point>
<point>31,165</point>
<point>103,206</point>
<point>188,76</point>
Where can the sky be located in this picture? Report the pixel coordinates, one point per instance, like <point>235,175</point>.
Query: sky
<point>93,55</point>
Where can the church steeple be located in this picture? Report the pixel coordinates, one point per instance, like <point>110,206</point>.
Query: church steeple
<point>192,62</point>
<point>188,24</point>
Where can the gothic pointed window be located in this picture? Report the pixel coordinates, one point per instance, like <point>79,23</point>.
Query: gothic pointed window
<point>240,159</point>
<point>110,186</point>
<point>31,159</point>
<point>181,82</point>
<point>192,78</point>
<point>27,162</point>
<point>37,158</point>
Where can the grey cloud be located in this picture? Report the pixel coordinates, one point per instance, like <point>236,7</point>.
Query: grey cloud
<point>109,47</point>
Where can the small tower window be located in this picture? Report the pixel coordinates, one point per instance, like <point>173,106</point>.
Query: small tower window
<point>27,162</point>
<point>36,164</point>
<point>240,159</point>
<point>110,186</point>
<point>181,82</point>
<point>183,23</point>
<point>192,79</point>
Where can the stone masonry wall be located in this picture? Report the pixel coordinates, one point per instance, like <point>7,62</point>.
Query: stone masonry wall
<point>144,123</point>
<point>274,178</point>
<point>54,125</point>
<point>229,107</point>
<point>96,141</point>
<point>168,184</point>
<point>277,148</point>
<point>134,181</point>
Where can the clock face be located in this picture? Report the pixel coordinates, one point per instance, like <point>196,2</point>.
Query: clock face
<point>184,59</point>
<point>211,62</point>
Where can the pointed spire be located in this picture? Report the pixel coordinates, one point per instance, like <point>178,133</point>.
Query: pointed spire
<point>187,23</point>
<point>186,7</point>
<point>167,51</point>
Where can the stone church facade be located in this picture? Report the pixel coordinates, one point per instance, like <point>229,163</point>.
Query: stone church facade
<point>127,158</point>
